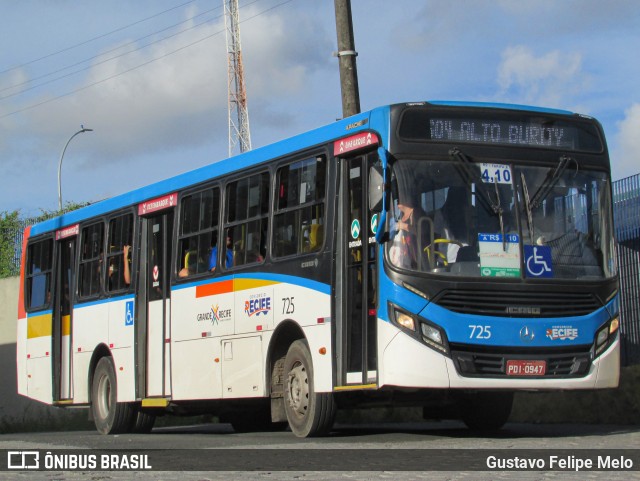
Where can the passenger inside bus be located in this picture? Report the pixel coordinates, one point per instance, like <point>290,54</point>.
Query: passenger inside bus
<point>114,269</point>
<point>410,234</point>
<point>228,255</point>
<point>451,225</point>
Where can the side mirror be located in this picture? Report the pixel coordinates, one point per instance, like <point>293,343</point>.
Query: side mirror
<point>376,187</point>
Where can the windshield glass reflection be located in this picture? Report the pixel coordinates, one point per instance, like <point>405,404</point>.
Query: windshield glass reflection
<point>459,218</point>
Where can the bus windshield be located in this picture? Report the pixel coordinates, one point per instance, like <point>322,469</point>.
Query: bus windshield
<point>455,217</point>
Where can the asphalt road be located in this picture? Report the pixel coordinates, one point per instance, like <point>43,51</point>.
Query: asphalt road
<point>382,451</point>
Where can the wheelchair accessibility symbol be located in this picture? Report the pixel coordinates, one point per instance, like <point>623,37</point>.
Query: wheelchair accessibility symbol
<point>538,261</point>
<point>128,314</point>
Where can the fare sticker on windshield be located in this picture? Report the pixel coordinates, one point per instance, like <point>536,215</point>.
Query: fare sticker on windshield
<point>498,258</point>
<point>495,173</point>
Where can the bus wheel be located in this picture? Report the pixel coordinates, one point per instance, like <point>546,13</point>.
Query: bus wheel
<point>109,416</point>
<point>486,411</point>
<point>142,422</point>
<point>309,413</point>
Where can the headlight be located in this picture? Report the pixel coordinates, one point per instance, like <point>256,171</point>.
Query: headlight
<point>433,337</point>
<point>605,335</point>
<point>430,334</point>
<point>406,321</point>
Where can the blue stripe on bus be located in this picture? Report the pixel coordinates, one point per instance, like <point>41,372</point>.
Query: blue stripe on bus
<point>46,312</point>
<point>283,278</point>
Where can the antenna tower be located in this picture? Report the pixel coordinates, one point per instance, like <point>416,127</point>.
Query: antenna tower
<point>239,135</point>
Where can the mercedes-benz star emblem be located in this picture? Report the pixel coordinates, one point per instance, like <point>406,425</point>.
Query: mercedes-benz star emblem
<point>526,334</point>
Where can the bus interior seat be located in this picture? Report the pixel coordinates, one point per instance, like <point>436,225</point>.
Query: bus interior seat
<point>316,237</point>
<point>312,237</point>
<point>189,258</point>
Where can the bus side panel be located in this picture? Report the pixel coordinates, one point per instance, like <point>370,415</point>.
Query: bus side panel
<point>195,372</point>
<point>90,329</point>
<point>318,337</point>
<point>406,362</point>
<point>200,316</point>
<point>38,354</point>
<point>121,342</point>
<point>123,360</point>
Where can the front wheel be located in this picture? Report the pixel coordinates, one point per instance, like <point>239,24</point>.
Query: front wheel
<point>309,413</point>
<point>486,411</point>
<point>109,415</point>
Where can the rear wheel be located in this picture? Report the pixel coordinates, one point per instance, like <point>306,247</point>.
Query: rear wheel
<point>486,411</point>
<point>309,413</point>
<point>142,422</point>
<point>109,415</point>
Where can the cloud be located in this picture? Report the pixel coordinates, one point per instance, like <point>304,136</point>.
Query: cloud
<point>173,95</point>
<point>550,79</point>
<point>626,156</point>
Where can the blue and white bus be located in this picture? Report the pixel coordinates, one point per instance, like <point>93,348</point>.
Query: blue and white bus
<point>434,254</point>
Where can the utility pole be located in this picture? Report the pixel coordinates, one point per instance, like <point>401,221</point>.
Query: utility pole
<point>239,134</point>
<point>347,58</point>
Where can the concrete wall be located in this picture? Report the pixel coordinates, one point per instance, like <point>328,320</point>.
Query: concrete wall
<point>11,405</point>
<point>18,413</point>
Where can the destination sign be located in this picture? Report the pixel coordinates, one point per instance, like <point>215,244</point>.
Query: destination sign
<point>515,130</point>
<point>501,132</point>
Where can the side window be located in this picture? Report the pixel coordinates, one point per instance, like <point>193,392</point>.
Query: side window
<point>119,253</point>
<point>247,219</point>
<point>38,278</point>
<point>90,260</point>
<point>299,208</point>
<point>198,233</point>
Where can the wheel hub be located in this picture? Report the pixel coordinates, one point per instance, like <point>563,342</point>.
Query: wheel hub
<point>298,389</point>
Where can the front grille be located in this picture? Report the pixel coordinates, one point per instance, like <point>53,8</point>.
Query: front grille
<point>491,362</point>
<point>518,303</point>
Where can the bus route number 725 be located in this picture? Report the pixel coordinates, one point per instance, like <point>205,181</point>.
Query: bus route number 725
<point>479,331</point>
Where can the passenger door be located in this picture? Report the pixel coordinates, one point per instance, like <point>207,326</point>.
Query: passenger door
<point>357,257</point>
<point>153,338</point>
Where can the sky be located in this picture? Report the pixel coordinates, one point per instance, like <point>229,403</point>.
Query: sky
<point>150,78</point>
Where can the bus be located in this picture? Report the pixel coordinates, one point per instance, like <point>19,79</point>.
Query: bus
<point>440,255</point>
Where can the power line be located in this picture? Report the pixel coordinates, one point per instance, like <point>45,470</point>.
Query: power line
<point>133,42</point>
<point>103,54</point>
<point>94,38</point>
<point>80,89</point>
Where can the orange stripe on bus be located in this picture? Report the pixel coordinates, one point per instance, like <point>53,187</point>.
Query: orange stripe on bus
<point>223,287</point>
<point>226,287</point>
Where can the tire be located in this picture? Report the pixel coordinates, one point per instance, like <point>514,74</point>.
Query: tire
<point>486,411</point>
<point>142,422</point>
<point>109,416</point>
<point>308,413</point>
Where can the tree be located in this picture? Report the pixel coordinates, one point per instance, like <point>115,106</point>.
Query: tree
<point>10,233</point>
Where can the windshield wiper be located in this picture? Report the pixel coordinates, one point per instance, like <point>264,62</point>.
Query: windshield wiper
<point>527,205</point>
<point>549,182</point>
<point>471,174</point>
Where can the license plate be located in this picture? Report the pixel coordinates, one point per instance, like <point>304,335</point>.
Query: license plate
<point>526,368</point>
